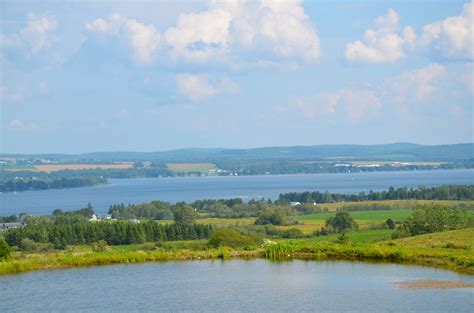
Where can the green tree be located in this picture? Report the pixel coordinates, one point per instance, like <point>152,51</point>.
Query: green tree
<point>275,216</point>
<point>5,250</point>
<point>185,214</point>
<point>342,222</point>
<point>390,223</point>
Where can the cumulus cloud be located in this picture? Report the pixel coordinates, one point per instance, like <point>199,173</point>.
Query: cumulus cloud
<point>384,44</point>
<point>143,39</point>
<point>225,31</point>
<point>452,37</point>
<point>279,27</point>
<point>417,85</point>
<point>200,87</point>
<point>37,34</point>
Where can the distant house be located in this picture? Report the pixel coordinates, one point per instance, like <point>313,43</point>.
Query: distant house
<point>12,225</point>
<point>295,203</point>
<point>93,218</point>
<point>106,217</point>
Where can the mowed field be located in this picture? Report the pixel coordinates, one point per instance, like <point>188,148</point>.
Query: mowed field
<point>398,204</point>
<point>190,167</point>
<point>59,167</point>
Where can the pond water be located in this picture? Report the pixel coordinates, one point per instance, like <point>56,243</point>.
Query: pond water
<point>234,286</point>
<point>194,188</point>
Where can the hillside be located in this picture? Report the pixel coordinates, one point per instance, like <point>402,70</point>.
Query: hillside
<point>386,152</point>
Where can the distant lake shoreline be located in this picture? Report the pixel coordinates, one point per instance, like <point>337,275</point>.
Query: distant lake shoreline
<point>190,188</point>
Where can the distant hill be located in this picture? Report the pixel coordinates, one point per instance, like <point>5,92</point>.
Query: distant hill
<point>386,152</point>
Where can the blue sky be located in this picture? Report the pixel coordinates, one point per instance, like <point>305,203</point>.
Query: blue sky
<point>150,75</point>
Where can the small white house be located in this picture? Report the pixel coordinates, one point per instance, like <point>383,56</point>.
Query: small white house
<point>295,203</point>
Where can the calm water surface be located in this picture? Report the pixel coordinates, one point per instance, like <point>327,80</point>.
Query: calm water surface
<point>233,286</point>
<point>194,188</point>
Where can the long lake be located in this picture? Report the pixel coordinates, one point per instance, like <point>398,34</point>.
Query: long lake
<point>193,188</point>
<point>234,286</point>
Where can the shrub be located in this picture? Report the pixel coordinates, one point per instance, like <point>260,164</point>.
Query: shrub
<point>390,223</point>
<point>29,245</point>
<point>100,246</point>
<point>342,238</point>
<point>272,216</point>
<point>229,237</point>
<point>5,250</point>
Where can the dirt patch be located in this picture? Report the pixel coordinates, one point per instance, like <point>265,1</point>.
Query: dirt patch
<point>432,284</point>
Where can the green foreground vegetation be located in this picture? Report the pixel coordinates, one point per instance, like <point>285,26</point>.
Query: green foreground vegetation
<point>432,232</point>
<point>451,250</point>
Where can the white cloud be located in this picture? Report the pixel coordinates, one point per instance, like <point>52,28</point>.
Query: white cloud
<point>384,44</point>
<point>415,86</point>
<point>143,39</point>
<point>354,105</point>
<point>199,36</point>
<point>36,35</point>
<point>200,87</point>
<point>227,27</point>
<point>453,37</point>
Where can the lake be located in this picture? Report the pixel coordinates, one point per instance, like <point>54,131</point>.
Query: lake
<point>193,188</point>
<point>234,286</point>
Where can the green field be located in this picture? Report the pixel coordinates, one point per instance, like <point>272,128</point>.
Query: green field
<point>375,215</point>
<point>190,167</point>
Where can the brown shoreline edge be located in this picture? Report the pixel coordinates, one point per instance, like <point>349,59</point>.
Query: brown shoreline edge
<point>431,284</point>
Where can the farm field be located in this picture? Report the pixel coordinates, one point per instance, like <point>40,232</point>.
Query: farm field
<point>399,204</point>
<point>190,167</point>
<point>376,215</point>
<point>381,163</point>
<point>59,167</point>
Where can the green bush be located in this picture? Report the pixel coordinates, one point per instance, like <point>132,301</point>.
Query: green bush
<point>100,246</point>
<point>228,237</point>
<point>272,216</point>
<point>5,250</point>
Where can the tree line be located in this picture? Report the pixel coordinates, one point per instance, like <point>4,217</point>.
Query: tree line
<point>23,184</point>
<point>114,233</point>
<point>444,192</point>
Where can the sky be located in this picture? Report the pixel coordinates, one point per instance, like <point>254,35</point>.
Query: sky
<point>84,76</point>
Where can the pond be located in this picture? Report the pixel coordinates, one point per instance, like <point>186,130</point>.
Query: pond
<point>235,286</point>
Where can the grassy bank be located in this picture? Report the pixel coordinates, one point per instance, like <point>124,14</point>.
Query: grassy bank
<point>451,250</point>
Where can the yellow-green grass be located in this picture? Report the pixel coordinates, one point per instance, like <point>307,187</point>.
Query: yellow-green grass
<point>402,204</point>
<point>190,167</point>
<point>227,221</point>
<point>463,239</point>
<point>415,250</point>
<point>431,250</point>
